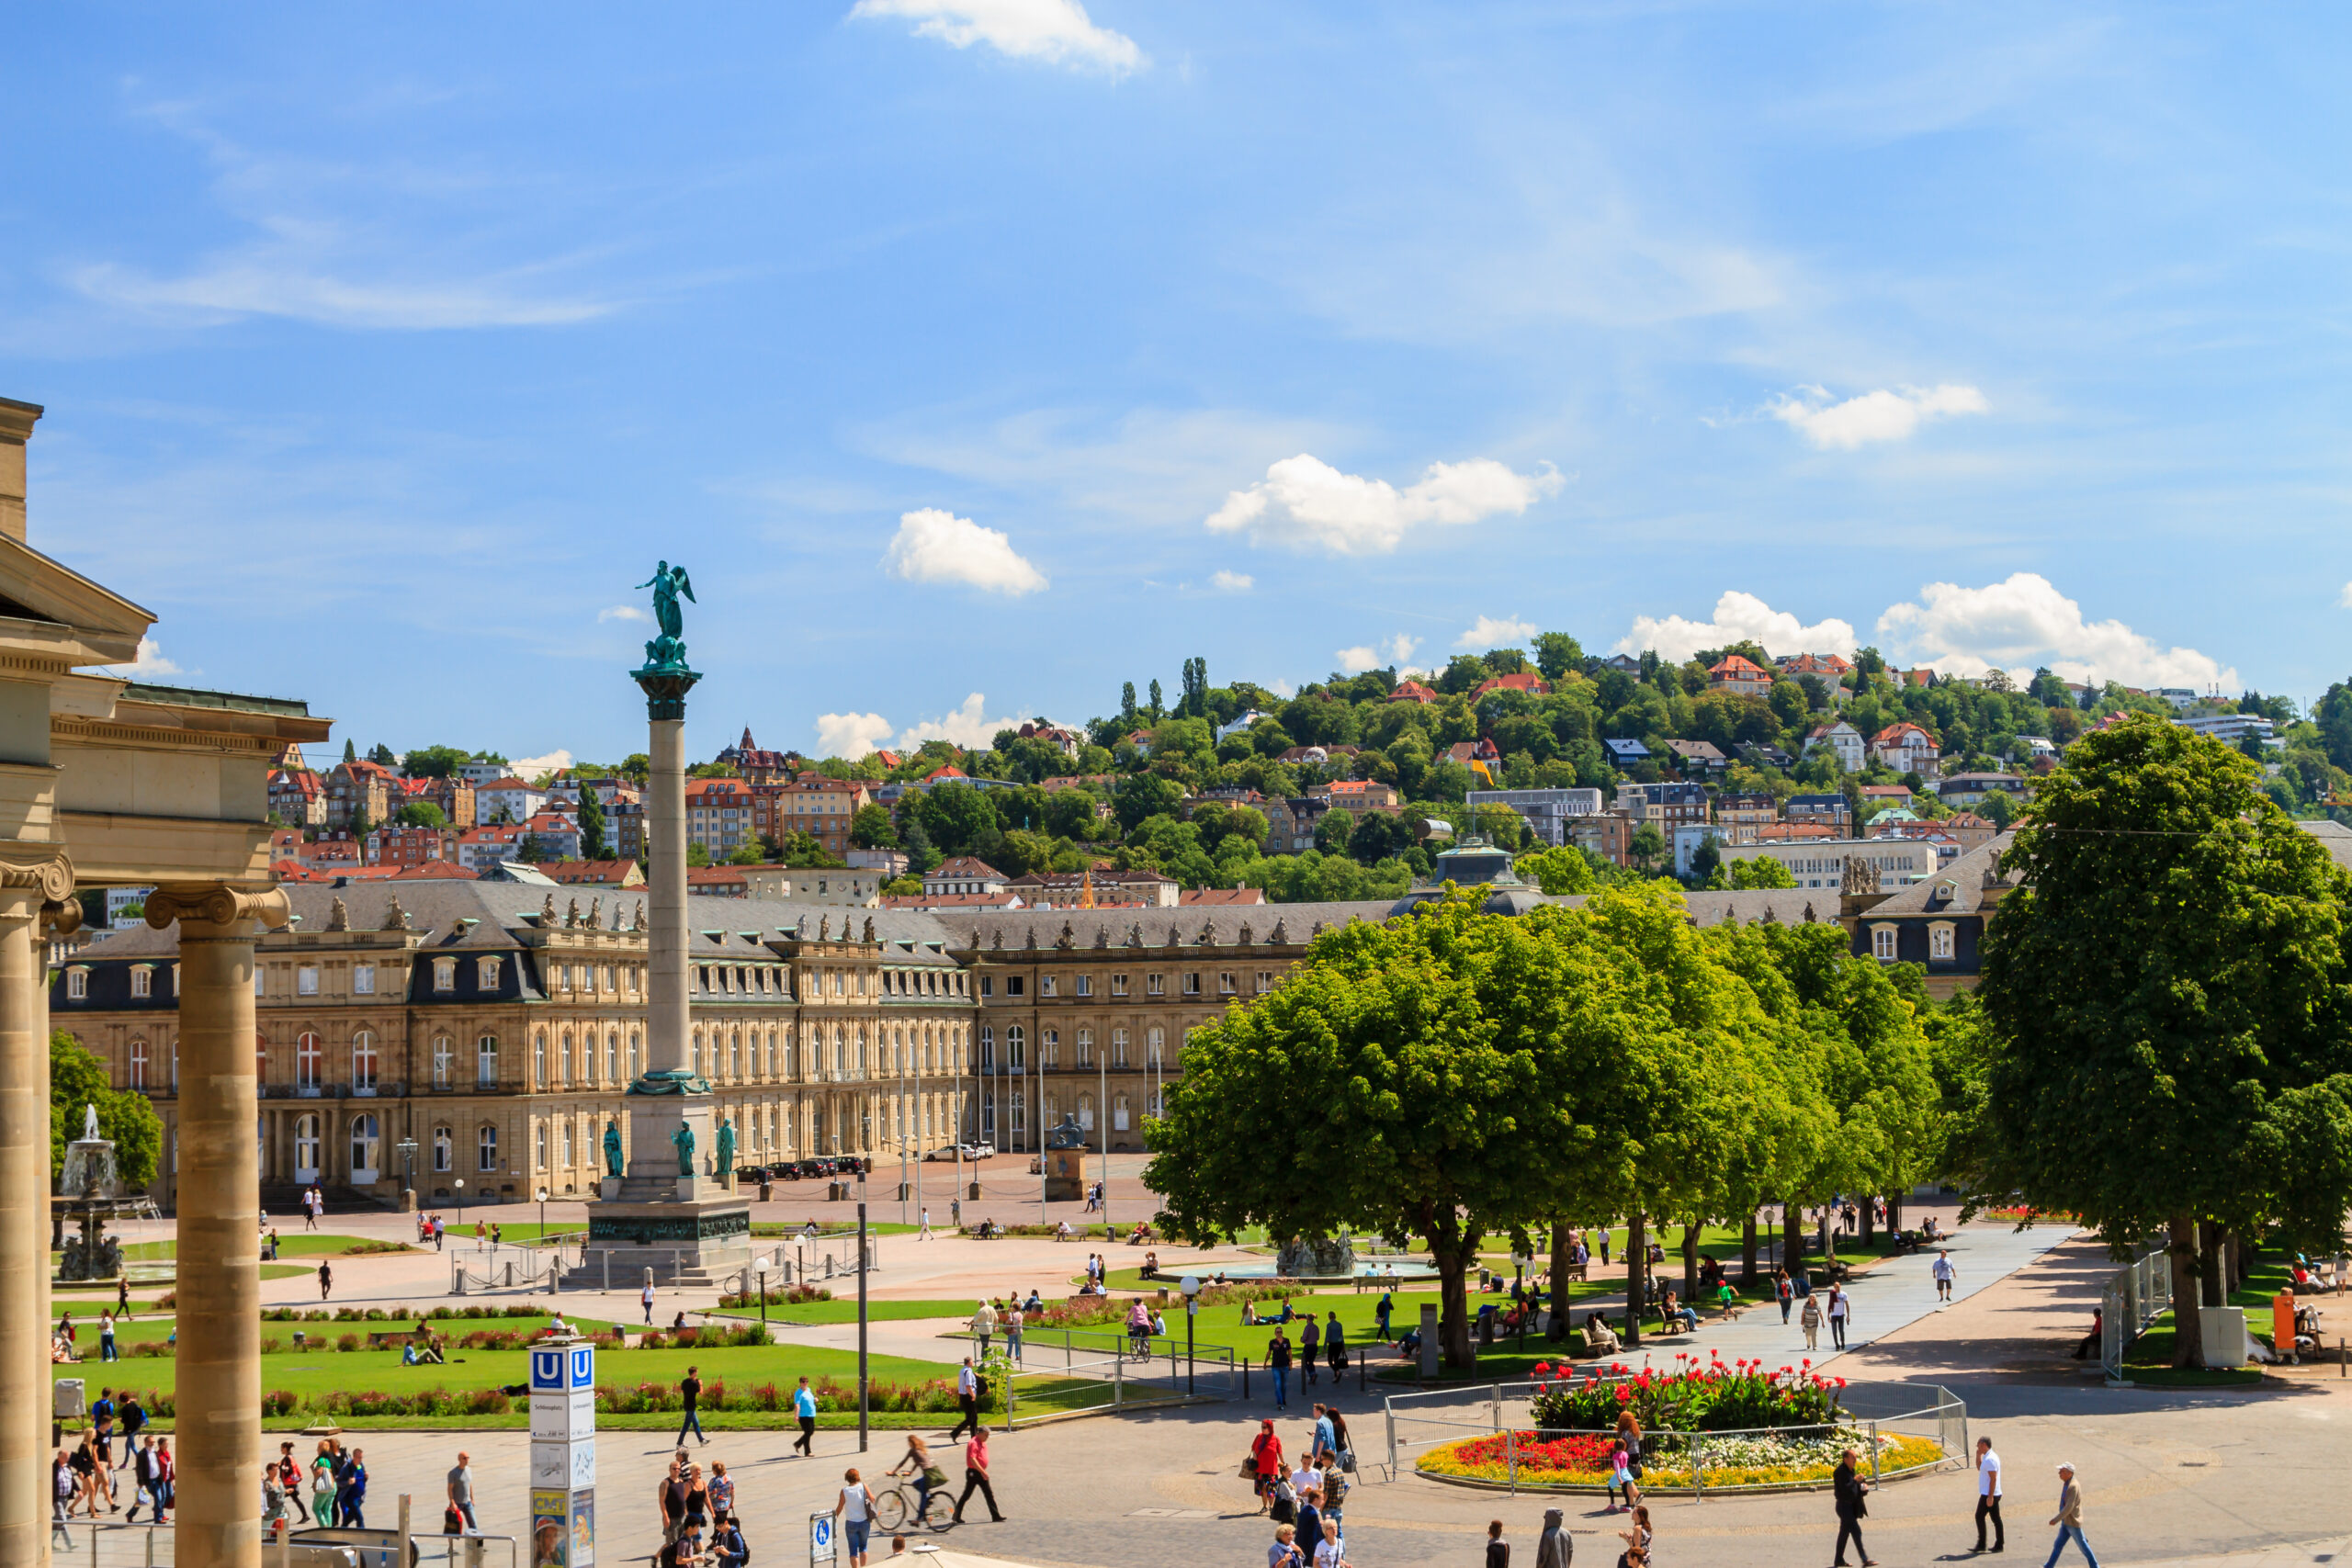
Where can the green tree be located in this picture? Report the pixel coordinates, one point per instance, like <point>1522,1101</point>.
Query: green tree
<point>419,814</point>
<point>1559,872</point>
<point>745,854</point>
<point>872,828</point>
<point>350,752</point>
<point>595,842</point>
<point>2166,998</point>
<point>697,853</point>
<point>1999,807</point>
<point>1557,654</point>
<point>1648,845</point>
<point>78,1078</point>
<point>1761,871</point>
<point>1331,830</point>
<point>1707,859</point>
<point>1142,795</point>
<point>435,761</point>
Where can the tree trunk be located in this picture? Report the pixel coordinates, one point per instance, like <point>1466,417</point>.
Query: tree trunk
<point>1895,1212</point>
<point>1453,1264</point>
<point>2211,1288</point>
<point>1747,1250</point>
<point>2187,1338</point>
<point>1559,1325</point>
<point>1636,1271</point>
<point>1828,1234</point>
<point>1869,1222</point>
<point>1689,1261</point>
<point>1792,1236</point>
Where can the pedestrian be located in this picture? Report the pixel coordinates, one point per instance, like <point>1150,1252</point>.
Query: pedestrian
<point>1382,1312</point>
<point>645,1300</point>
<point>968,1397</point>
<point>102,1415</point>
<point>322,1486</point>
<point>1264,1465</point>
<point>670,1499</point>
<point>1988,1495</point>
<point>1307,1486</point>
<point>1555,1548</point>
<point>1840,1305</point>
<point>955,1214</point>
<point>326,1279</point>
<point>1783,1292</point>
<point>1013,1322</point>
<point>63,1486</point>
<point>975,1475</point>
<point>1335,1347</point>
<point>1810,1320</point>
<point>134,1421</point>
<point>1605,1235</point>
<point>146,1488</point>
<point>164,1478</point>
<point>690,1389</point>
<point>1285,1552</point>
<point>1310,1339</point>
<point>351,1492</point>
<point>722,1492</point>
<point>804,1406</point>
<point>122,1298</point>
<point>1851,1489</point>
<point>461,1493</point>
<point>1498,1549</point>
<point>1328,1554</point>
<point>1637,1539</point>
<point>984,1327</point>
<point>1278,1367</point>
<point>1626,1462</point>
<point>923,1234</point>
<point>854,1509</point>
<point>1942,1270</point>
<point>2069,1519</point>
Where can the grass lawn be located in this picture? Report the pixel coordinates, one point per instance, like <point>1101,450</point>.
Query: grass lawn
<point>297,1244</point>
<point>844,1310</point>
<point>2147,1361</point>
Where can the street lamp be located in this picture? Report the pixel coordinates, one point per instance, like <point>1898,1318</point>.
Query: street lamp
<point>1519,1262</point>
<point>406,1149</point>
<point>1190,1285</point>
<point>543,1216</point>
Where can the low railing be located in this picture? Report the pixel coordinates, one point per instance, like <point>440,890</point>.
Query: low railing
<point>88,1543</point>
<point>1095,1375</point>
<point>2136,1295</point>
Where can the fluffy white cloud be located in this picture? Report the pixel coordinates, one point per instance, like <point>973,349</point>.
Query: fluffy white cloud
<point>1232,581</point>
<point>624,613</point>
<point>1304,501</point>
<point>933,546</point>
<point>966,725</point>
<point>851,735</point>
<point>530,770</point>
<point>1738,618</point>
<point>1376,655</point>
<point>151,664</point>
<point>1883,415</point>
<point>2025,622</point>
<point>1488,632</point>
<point>1057,31</point>
<point>2345,598</point>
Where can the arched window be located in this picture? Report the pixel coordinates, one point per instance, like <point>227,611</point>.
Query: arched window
<point>694,1051</point>
<point>538,1146</point>
<point>1012,1048</point>
<point>444,1150</point>
<point>261,1057</point>
<point>486,1061</point>
<point>837,1057</point>
<point>767,1055</point>
<point>563,1060</point>
<point>988,1047</point>
<point>612,1055</point>
<point>139,1064</point>
<point>309,1056</point>
<point>486,1149</point>
<point>1118,1113</point>
<point>632,1054</point>
<point>306,1148</point>
<point>734,1053</point>
<point>787,1062</point>
<point>567,1143</point>
<point>1086,1112</point>
<point>363,1063</point>
<point>366,1136</point>
<point>443,1054</point>
<point>539,1059</point>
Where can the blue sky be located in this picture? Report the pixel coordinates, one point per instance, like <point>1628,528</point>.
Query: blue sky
<point>975,355</point>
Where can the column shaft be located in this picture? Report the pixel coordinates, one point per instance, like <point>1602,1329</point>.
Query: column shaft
<point>24,1234</point>
<point>219,1451</point>
<point>665,836</point>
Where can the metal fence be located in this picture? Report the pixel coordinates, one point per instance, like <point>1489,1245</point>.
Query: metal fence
<point>1079,1372</point>
<point>85,1543</point>
<point>1869,1413</point>
<point>2136,1295</point>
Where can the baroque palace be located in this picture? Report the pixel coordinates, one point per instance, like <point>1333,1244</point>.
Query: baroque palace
<point>496,1024</point>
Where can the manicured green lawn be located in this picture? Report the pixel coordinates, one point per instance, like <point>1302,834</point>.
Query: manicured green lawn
<point>289,1244</point>
<point>844,1310</point>
<point>2148,1359</point>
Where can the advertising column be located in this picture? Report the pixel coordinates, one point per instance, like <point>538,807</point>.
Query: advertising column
<point>563,1456</point>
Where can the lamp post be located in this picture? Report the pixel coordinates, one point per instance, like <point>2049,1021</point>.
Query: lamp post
<point>461,1185</point>
<point>761,1265</point>
<point>1190,1285</point>
<point>406,1149</point>
<point>543,1215</point>
<point>862,1408</point>
<point>1103,1108</point>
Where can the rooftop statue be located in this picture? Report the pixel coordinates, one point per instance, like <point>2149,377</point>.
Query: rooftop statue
<point>668,651</point>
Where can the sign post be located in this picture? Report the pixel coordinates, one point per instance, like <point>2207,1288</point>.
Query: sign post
<point>563,1455</point>
<point>820,1538</point>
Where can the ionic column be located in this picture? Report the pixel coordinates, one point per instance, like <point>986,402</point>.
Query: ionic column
<point>25,888</point>
<point>218,1361</point>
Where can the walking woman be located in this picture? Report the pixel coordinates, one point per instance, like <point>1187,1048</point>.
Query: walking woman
<point>1784,1292</point>
<point>1810,1318</point>
<point>1265,1463</point>
<point>1626,1467</point>
<point>1840,1303</point>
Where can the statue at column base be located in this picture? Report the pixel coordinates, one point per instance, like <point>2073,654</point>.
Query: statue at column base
<point>670,1080</point>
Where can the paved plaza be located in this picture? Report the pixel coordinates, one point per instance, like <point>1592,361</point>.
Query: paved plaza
<point>2239,1474</point>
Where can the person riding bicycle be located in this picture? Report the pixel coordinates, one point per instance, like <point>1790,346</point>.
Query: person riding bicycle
<point>1139,1328</point>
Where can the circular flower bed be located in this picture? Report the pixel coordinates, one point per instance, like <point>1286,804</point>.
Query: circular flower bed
<point>1582,1459</point>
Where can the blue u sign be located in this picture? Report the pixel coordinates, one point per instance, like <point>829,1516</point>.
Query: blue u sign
<point>546,1370</point>
<point>583,1366</point>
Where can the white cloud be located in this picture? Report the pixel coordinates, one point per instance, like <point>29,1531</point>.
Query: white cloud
<point>1056,31</point>
<point>1232,581</point>
<point>1303,501</point>
<point>151,664</point>
<point>268,281</point>
<point>2025,622</point>
<point>624,613</point>
<point>2345,598</point>
<point>851,735</point>
<point>1883,415</point>
<point>530,770</point>
<point>1375,654</point>
<point>1739,617</point>
<point>1488,632</point>
<point>966,727</point>
<point>934,546</point>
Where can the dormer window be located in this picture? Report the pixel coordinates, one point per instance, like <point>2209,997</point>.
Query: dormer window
<point>77,985</point>
<point>142,980</point>
<point>486,973</point>
<point>445,974</point>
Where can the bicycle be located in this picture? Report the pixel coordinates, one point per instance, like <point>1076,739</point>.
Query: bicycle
<point>892,1508</point>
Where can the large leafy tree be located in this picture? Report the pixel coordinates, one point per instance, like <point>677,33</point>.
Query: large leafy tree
<point>2166,1003</point>
<point>78,1078</point>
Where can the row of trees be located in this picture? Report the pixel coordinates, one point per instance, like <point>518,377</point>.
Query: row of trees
<point>1457,1073</point>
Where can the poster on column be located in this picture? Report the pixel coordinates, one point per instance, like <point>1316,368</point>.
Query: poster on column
<point>583,1530</point>
<point>550,1530</point>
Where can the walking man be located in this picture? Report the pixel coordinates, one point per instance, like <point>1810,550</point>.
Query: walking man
<point>967,1396</point>
<point>975,1475</point>
<point>1988,1495</point>
<point>804,1405</point>
<point>1309,1338</point>
<point>1851,1490</point>
<point>1942,1270</point>
<point>1278,1367</point>
<point>326,1279</point>
<point>461,1493</point>
<point>1012,1321</point>
<point>925,1234</point>
<point>690,1389</point>
<point>984,1327</point>
<point>2069,1519</point>
<point>645,1299</point>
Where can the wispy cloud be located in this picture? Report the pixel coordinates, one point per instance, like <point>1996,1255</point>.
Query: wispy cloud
<point>269,280</point>
<point>624,613</point>
<point>1489,631</point>
<point>530,770</point>
<point>1738,618</point>
<point>1057,32</point>
<point>2345,598</point>
<point>967,726</point>
<point>1232,581</point>
<point>1887,415</point>
<point>1305,502</point>
<point>934,546</point>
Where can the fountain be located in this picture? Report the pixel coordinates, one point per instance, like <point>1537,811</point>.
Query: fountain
<point>89,1194</point>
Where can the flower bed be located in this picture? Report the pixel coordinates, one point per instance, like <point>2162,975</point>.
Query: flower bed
<point>1581,1460</point>
<point>1709,1396</point>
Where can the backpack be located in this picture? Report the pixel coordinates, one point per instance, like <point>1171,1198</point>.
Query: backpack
<point>979,1390</point>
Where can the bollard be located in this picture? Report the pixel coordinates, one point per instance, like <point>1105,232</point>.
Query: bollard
<point>405,1548</point>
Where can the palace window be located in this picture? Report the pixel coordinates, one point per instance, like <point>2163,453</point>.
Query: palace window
<point>445,974</point>
<point>1155,986</point>
<point>306,1148</point>
<point>442,1054</point>
<point>1084,985</point>
<point>486,1061</point>
<point>139,1064</point>
<point>77,985</point>
<point>1118,1113</point>
<point>363,979</point>
<point>1012,1048</point>
<point>308,1059</point>
<point>366,1139</point>
<point>363,1061</point>
<point>1224,986</point>
<point>1049,1046</point>
<point>142,980</point>
<point>538,1146</point>
<point>486,1149</point>
<point>1265,981</point>
<point>486,973</point>
<point>1193,984</point>
<point>1940,942</point>
<point>444,1150</point>
<point>306,980</point>
<point>540,1060</point>
<point>1882,941</point>
<point>1045,985</point>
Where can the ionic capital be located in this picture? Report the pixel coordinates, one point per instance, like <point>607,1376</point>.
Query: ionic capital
<point>218,905</point>
<point>40,867</point>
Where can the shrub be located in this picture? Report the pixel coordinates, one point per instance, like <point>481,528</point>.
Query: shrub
<point>347,1342</point>
<point>279,1401</point>
<point>1694,1397</point>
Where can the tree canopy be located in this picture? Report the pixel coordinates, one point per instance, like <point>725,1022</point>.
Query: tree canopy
<point>78,1078</point>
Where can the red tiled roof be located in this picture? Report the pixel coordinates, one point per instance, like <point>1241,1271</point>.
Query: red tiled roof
<point>949,772</point>
<point>1737,665</point>
<point>1518,681</point>
<point>437,871</point>
<point>589,871</point>
<point>1221,895</point>
<point>1412,691</point>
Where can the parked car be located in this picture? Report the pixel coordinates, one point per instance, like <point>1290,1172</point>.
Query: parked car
<point>979,1151</point>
